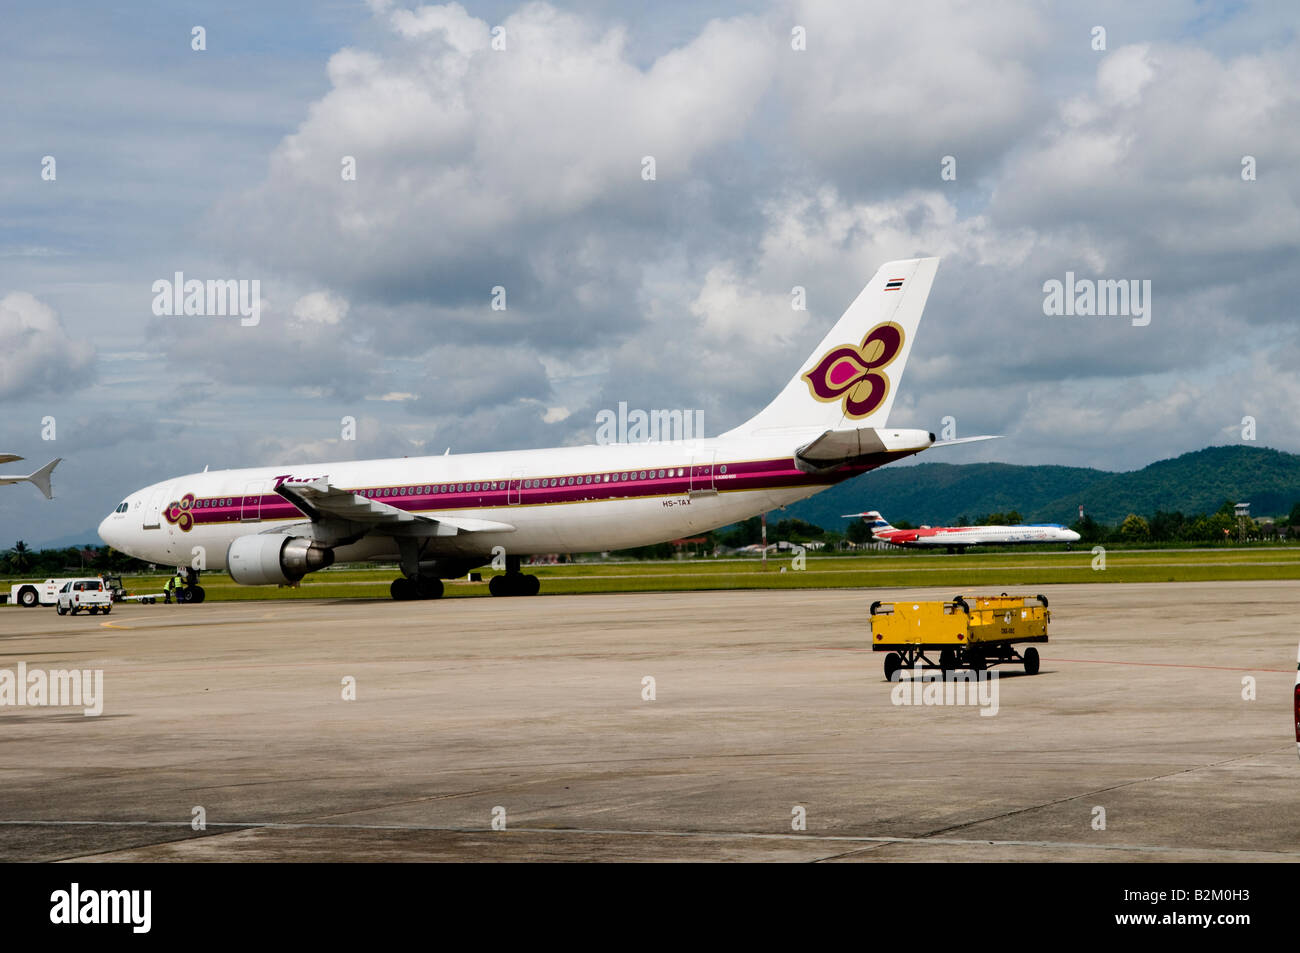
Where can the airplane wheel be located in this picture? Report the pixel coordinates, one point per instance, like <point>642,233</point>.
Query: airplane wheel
<point>185,595</point>
<point>893,662</point>
<point>402,589</point>
<point>531,586</point>
<point>498,586</point>
<point>428,587</point>
<point>27,598</point>
<point>197,594</point>
<point>1031,661</point>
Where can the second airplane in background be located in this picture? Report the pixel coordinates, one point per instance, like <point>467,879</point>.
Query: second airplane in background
<point>957,538</point>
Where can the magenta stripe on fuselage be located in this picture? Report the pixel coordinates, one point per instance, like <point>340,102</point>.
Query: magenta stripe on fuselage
<point>750,475</point>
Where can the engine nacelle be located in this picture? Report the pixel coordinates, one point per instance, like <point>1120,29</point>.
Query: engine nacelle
<point>272,559</point>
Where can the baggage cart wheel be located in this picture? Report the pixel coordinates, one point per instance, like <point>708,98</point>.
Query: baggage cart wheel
<point>1031,661</point>
<point>892,664</point>
<point>975,660</point>
<point>947,660</point>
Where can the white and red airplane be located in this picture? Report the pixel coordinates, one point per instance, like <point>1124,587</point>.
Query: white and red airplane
<point>957,538</point>
<point>438,517</point>
<point>40,479</point>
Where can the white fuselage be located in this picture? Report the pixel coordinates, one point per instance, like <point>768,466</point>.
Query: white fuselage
<point>569,499</point>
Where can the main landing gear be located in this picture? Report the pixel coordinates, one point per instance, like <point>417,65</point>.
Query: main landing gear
<point>415,584</point>
<point>421,587</point>
<point>514,582</point>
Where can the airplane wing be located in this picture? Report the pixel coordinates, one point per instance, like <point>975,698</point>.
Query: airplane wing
<point>326,504</point>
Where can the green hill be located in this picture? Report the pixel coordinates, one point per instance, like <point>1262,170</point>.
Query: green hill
<point>940,493</point>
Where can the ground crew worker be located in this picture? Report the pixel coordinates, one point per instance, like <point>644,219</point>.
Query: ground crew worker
<point>174,584</point>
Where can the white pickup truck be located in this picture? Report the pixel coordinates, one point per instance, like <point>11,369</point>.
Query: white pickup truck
<point>91,594</point>
<point>32,594</point>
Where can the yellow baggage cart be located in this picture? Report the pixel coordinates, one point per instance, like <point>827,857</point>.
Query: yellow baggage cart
<point>973,632</point>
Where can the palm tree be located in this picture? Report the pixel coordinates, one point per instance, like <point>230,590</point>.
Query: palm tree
<point>20,557</point>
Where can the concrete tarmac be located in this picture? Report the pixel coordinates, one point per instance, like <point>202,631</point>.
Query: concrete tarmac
<point>1138,741</point>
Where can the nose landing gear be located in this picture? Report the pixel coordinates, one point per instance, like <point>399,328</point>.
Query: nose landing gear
<point>191,591</point>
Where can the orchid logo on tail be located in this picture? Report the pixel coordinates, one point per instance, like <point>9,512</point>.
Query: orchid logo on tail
<point>856,375</point>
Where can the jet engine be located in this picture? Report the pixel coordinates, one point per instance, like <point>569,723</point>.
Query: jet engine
<point>273,559</point>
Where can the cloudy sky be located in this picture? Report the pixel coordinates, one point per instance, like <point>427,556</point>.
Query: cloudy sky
<point>774,167</point>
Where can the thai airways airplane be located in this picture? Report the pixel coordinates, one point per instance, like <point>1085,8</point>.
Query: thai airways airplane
<point>40,479</point>
<point>438,517</point>
<point>957,538</point>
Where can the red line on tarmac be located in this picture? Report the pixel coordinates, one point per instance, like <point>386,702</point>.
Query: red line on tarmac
<point>1102,661</point>
<point>1220,668</point>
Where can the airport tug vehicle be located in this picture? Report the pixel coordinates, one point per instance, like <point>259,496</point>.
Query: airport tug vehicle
<point>973,634</point>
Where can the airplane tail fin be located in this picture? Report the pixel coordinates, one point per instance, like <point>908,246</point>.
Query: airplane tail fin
<point>41,478</point>
<point>851,379</point>
<point>876,521</point>
<point>871,518</point>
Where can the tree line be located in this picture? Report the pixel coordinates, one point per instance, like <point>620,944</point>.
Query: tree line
<point>22,560</point>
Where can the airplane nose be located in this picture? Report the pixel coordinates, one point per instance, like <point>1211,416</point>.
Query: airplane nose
<point>106,533</point>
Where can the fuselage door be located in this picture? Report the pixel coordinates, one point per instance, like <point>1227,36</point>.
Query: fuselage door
<point>250,508</point>
<point>702,473</point>
<point>153,511</point>
<point>515,488</point>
